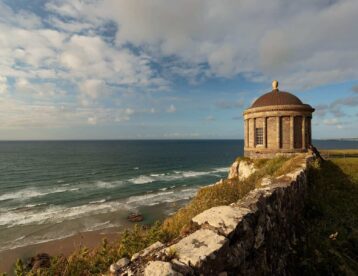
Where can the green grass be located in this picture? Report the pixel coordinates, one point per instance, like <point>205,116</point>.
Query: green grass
<point>331,209</point>
<point>340,152</point>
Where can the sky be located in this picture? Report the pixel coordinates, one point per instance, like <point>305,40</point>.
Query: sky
<point>169,69</point>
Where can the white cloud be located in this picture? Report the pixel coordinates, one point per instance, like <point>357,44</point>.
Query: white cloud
<point>335,122</point>
<point>210,118</point>
<point>71,26</point>
<point>72,55</point>
<point>232,37</point>
<point>90,90</point>
<point>22,18</point>
<point>20,114</point>
<point>171,109</point>
<point>92,120</point>
<point>3,85</point>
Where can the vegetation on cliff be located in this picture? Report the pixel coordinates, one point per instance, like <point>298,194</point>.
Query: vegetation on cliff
<point>331,220</point>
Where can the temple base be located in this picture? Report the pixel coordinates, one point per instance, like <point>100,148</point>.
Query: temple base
<point>271,153</point>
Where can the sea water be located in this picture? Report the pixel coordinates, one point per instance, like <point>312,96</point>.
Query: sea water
<point>54,189</point>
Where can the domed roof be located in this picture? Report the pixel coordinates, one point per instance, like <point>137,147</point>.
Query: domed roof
<point>276,97</point>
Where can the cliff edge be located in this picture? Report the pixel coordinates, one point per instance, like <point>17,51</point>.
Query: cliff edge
<point>252,236</point>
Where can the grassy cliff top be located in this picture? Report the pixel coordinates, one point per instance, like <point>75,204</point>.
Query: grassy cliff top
<point>331,220</point>
<point>339,152</point>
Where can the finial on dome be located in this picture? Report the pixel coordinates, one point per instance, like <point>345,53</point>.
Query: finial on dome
<point>275,85</point>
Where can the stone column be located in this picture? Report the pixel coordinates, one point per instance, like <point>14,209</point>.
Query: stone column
<point>278,132</point>
<point>254,143</point>
<point>292,132</point>
<point>309,130</point>
<point>246,133</point>
<point>264,130</point>
<point>303,132</point>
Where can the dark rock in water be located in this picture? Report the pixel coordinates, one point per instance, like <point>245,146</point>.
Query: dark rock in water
<point>41,260</point>
<point>135,217</point>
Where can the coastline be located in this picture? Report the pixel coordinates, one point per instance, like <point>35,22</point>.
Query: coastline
<point>90,239</point>
<point>63,246</point>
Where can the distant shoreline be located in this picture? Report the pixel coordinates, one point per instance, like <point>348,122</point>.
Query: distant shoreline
<point>159,139</point>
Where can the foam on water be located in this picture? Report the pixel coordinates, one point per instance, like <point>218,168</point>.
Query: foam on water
<point>56,214</point>
<point>31,192</point>
<point>160,197</point>
<point>175,175</point>
<point>97,201</point>
<point>142,179</point>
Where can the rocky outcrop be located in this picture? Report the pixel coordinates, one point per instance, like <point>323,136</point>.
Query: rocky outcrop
<point>241,169</point>
<point>147,250</point>
<point>195,249</point>
<point>222,218</point>
<point>253,236</point>
<point>234,170</point>
<point>158,268</point>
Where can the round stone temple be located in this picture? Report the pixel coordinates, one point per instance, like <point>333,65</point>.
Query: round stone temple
<point>277,123</point>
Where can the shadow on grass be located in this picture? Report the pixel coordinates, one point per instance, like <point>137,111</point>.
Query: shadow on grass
<point>330,243</point>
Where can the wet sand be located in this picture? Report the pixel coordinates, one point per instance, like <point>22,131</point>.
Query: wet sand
<point>62,246</point>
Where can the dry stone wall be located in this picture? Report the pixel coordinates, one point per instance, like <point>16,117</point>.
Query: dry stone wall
<point>253,236</point>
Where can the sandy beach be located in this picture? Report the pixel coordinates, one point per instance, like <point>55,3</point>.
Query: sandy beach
<point>63,246</point>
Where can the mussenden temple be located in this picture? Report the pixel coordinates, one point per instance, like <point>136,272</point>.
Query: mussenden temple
<point>277,123</point>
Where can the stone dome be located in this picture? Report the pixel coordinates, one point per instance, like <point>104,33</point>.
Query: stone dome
<point>276,97</point>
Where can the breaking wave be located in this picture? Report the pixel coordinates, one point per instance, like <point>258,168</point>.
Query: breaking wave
<point>144,179</point>
<point>31,192</point>
<point>56,214</point>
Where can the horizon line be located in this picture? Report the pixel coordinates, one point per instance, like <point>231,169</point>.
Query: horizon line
<point>151,139</point>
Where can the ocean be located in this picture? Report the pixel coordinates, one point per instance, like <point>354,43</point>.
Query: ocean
<point>54,189</point>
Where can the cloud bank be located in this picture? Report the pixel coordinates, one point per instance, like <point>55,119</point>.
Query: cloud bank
<point>96,61</point>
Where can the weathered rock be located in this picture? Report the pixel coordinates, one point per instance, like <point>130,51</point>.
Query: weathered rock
<point>122,262</point>
<point>234,170</point>
<point>128,272</point>
<point>198,246</point>
<point>135,217</point>
<point>147,250</point>
<point>265,181</point>
<point>158,268</point>
<point>181,267</point>
<point>224,218</point>
<point>241,169</point>
<point>114,268</point>
<point>246,169</point>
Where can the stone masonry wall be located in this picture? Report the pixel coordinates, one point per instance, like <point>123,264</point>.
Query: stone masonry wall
<point>253,236</point>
